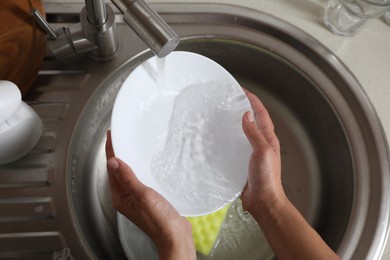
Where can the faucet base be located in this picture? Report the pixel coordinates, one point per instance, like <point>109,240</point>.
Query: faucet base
<point>103,36</point>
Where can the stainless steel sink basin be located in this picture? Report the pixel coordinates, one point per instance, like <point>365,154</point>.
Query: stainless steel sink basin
<point>334,152</point>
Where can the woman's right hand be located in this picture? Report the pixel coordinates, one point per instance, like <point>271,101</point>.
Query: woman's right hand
<point>286,230</point>
<point>264,185</point>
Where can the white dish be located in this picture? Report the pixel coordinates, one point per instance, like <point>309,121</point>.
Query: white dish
<point>178,125</point>
<point>10,99</point>
<point>20,127</point>
<point>135,243</point>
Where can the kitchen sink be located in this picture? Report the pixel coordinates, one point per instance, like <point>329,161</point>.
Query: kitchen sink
<point>335,157</point>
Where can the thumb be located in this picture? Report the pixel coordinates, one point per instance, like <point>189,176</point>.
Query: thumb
<point>123,174</point>
<point>252,131</point>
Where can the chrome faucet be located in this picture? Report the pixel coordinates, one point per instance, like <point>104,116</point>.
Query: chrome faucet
<point>96,33</point>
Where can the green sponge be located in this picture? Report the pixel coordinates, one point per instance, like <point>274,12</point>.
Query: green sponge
<point>205,229</point>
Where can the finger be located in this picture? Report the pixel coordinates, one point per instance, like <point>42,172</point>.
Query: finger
<point>263,120</point>
<point>122,198</point>
<point>262,116</point>
<point>252,132</point>
<point>124,175</point>
<point>109,149</point>
<point>117,191</point>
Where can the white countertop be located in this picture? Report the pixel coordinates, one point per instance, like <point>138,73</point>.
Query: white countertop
<point>367,54</point>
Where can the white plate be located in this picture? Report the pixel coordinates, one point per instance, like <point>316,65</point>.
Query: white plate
<point>136,244</point>
<point>177,123</point>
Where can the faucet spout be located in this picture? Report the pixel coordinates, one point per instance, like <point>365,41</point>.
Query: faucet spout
<point>148,25</point>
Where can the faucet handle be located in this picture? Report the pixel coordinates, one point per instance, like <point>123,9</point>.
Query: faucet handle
<point>149,26</point>
<point>44,24</point>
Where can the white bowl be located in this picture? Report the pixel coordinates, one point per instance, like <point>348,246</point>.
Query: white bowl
<point>177,123</point>
<point>20,127</point>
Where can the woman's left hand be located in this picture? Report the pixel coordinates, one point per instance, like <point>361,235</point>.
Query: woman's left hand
<point>146,208</point>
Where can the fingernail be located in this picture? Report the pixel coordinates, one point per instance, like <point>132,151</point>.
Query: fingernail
<point>113,164</point>
<point>249,117</point>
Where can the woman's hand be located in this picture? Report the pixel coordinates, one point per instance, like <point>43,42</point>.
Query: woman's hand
<point>264,185</point>
<point>147,209</point>
<point>286,230</point>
